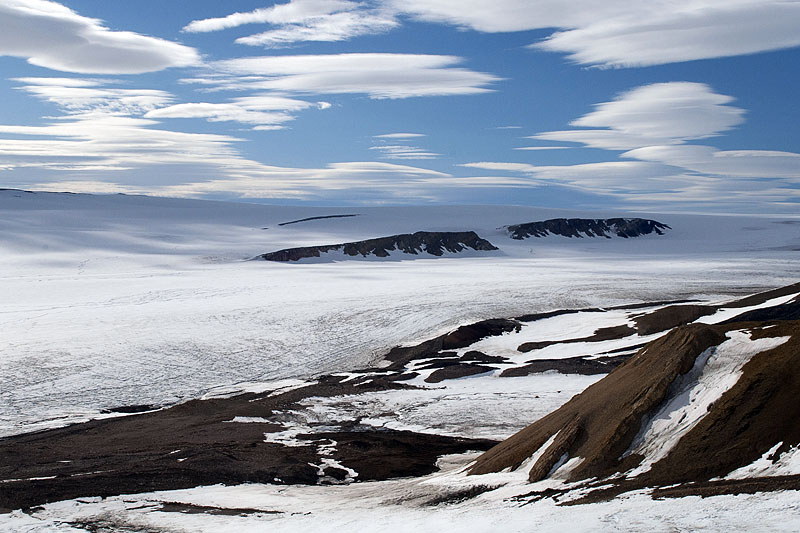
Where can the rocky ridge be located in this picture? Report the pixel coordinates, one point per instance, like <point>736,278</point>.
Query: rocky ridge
<point>421,242</point>
<point>588,227</point>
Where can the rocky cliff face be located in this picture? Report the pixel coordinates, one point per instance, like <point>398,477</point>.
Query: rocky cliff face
<point>588,227</point>
<point>421,242</point>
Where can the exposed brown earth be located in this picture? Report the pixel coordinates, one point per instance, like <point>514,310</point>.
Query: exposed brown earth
<point>196,443</point>
<point>730,486</point>
<point>462,337</point>
<point>607,415</point>
<point>669,317</point>
<point>599,425</point>
<point>457,371</point>
<point>569,365</point>
<point>602,334</point>
<point>762,297</point>
<point>758,412</point>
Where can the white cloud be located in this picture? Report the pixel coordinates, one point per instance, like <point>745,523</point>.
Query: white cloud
<point>261,181</point>
<point>731,163</point>
<point>401,151</point>
<point>655,124</point>
<point>620,33</point>
<point>293,12</point>
<point>51,35</point>
<point>490,165</point>
<point>79,151</point>
<point>303,20</point>
<point>266,112</point>
<point>329,28</point>
<point>378,75</point>
<point>682,31</point>
<point>538,148</point>
<point>510,15</point>
<point>604,139</point>
<point>399,135</point>
<point>220,113</point>
<point>656,114</point>
<point>615,178</point>
<point>62,82</point>
<point>677,110</point>
<point>102,141</point>
<point>75,95</point>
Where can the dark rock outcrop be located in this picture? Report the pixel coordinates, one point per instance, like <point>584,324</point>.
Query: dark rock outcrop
<point>588,227</point>
<point>602,334</point>
<point>456,371</point>
<point>462,337</point>
<point>433,243</point>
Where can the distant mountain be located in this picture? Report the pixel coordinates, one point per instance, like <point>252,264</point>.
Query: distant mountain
<point>588,227</point>
<point>421,242</point>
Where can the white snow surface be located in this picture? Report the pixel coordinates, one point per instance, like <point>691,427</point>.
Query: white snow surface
<point>484,406</point>
<point>400,505</point>
<point>108,301</point>
<point>715,371</point>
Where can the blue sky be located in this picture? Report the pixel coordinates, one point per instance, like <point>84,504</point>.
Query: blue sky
<point>686,105</point>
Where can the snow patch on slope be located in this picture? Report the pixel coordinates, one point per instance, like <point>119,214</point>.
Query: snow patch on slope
<point>715,371</point>
<point>787,464</point>
<point>724,313</point>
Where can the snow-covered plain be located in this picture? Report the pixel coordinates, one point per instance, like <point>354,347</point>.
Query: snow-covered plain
<point>119,300</point>
<point>123,300</point>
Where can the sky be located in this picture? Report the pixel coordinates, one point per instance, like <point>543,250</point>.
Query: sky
<point>641,105</point>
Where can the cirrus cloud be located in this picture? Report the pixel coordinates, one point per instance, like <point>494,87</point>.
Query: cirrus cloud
<point>303,20</point>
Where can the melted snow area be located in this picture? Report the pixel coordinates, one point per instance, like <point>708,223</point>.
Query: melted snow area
<point>715,371</point>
